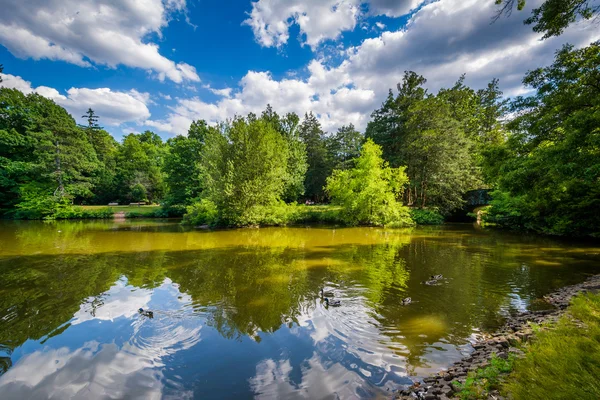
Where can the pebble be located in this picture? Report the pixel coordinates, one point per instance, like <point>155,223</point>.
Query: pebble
<point>502,343</point>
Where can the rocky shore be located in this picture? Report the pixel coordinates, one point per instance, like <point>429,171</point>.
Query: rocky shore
<point>516,330</point>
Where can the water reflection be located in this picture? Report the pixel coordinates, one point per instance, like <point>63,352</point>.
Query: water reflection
<point>238,313</point>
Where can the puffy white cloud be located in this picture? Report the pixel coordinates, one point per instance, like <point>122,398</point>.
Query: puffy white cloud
<point>324,93</point>
<point>113,107</point>
<point>103,32</point>
<point>442,40</point>
<point>318,20</point>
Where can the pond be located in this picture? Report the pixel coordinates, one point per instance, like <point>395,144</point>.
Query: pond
<point>238,313</point>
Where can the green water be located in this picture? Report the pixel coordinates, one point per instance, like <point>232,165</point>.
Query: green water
<point>237,313</point>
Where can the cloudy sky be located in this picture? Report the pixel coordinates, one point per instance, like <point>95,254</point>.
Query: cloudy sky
<point>160,64</point>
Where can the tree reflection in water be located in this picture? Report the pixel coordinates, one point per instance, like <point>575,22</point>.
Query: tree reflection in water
<point>241,309</point>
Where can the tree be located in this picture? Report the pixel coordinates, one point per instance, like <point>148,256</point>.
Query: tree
<point>140,161</point>
<point>548,172</point>
<point>369,192</point>
<point>319,168</point>
<point>297,163</point>
<point>388,125</point>
<point>553,16</point>
<point>244,166</point>
<point>92,120</point>
<point>344,146</point>
<point>182,165</point>
<point>434,137</point>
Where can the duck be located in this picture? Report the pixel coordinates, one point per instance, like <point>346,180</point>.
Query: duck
<point>332,303</point>
<point>406,301</point>
<point>430,282</point>
<point>328,293</point>
<point>436,277</point>
<point>146,313</point>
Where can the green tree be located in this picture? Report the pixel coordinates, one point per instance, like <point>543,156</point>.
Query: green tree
<point>552,17</point>
<point>182,165</point>
<point>140,160</point>
<point>297,160</point>
<point>244,166</point>
<point>369,192</point>
<point>344,146</point>
<point>548,171</point>
<point>319,167</point>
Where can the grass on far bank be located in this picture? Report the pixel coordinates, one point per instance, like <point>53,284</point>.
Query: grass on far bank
<point>562,362</point>
<point>147,209</point>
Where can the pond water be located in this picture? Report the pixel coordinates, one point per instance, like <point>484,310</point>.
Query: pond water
<point>237,313</point>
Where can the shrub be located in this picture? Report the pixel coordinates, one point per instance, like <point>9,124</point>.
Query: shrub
<point>368,192</point>
<point>426,216</point>
<point>204,212</point>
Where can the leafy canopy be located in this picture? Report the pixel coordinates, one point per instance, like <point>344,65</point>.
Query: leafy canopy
<point>369,192</point>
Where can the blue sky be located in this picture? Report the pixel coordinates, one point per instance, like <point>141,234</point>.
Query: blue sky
<point>160,64</point>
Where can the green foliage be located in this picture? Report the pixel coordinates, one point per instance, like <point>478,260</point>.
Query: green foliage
<point>564,361</point>
<point>204,212</point>
<point>297,165</point>
<point>548,171</point>
<point>426,216</point>
<point>319,167</point>
<point>479,383</point>
<point>439,138</point>
<point>368,193</point>
<point>552,17</point>
<point>244,169</point>
<point>182,165</point>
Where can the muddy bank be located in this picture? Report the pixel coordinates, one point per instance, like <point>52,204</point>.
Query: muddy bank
<point>504,342</point>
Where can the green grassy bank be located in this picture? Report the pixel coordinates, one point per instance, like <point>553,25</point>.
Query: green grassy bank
<point>562,362</point>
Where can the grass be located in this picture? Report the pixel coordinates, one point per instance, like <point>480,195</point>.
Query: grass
<point>564,361</point>
<point>127,209</point>
<point>483,380</point>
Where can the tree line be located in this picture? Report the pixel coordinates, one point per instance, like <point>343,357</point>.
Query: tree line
<point>540,154</point>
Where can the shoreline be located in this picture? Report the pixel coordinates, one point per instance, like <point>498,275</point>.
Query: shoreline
<point>502,343</point>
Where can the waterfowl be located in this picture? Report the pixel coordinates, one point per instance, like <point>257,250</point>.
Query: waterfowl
<point>332,303</point>
<point>328,293</point>
<point>406,301</point>
<point>430,282</point>
<point>436,277</point>
<point>146,313</point>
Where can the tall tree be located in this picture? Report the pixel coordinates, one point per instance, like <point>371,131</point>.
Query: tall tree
<point>244,168</point>
<point>548,172</point>
<point>319,167</point>
<point>369,192</point>
<point>344,146</point>
<point>182,165</point>
<point>297,163</point>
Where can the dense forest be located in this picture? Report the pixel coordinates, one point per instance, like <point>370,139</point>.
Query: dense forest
<point>540,156</point>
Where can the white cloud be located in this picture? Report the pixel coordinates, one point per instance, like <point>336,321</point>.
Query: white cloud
<point>319,20</point>
<point>113,107</point>
<point>442,40</point>
<point>102,32</point>
<point>380,25</point>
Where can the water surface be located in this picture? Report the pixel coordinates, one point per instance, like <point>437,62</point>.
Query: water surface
<point>238,312</point>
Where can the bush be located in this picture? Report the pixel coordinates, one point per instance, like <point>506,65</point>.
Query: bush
<point>368,192</point>
<point>426,216</point>
<point>204,212</point>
